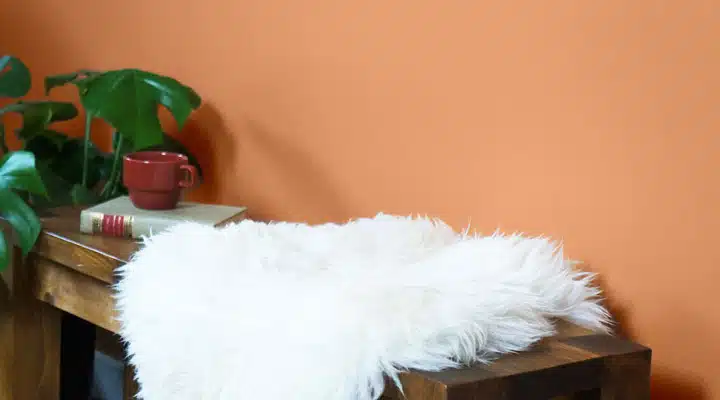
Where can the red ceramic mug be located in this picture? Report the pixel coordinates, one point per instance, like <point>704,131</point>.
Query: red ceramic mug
<point>154,179</point>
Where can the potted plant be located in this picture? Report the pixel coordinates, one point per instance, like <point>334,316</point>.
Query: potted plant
<point>75,170</point>
<point>18,175</point>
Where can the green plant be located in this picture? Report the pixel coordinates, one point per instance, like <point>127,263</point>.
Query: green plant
<point>18,175</point>
<point>128,100</point>
<point>74,170</point>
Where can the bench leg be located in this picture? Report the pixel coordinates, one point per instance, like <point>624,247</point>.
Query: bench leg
<point>628,377</point>
<point>29,339</point>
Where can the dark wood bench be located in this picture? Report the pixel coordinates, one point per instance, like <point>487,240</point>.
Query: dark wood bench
<point>575,364</point>
<point>65,288</point>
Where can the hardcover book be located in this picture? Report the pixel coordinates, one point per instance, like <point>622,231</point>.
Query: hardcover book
<point>119,217</point>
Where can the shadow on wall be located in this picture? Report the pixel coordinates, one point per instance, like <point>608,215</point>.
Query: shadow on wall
<point>673,384</point>
<point>207,137</point>
<point>666,383</point>
<point>290,178</point>
<point>294,174</point>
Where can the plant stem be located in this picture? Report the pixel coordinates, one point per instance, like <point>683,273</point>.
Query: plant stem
<point>86,147</point>
<point>3,145</point>
<point>114,172</point>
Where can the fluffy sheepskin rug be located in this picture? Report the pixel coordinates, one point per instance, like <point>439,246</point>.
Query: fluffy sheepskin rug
<point>291,311</point>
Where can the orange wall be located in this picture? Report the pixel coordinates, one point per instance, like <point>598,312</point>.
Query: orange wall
<point>595,122</point>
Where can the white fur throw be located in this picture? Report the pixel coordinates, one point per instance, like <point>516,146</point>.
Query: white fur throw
<point>290,311</point>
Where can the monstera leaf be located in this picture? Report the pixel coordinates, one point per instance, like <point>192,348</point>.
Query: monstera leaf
<point>18,173</point>
<point>14,77</point>
<point>128,99</point>
<point>37,115</point>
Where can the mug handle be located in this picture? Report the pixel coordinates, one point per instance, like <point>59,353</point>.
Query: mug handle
<point>190,177</point>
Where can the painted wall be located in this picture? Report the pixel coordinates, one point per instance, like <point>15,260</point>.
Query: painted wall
<point>594,122</point>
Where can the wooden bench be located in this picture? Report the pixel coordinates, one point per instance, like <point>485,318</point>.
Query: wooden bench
<point>575,364</point>
<point>63,290</point>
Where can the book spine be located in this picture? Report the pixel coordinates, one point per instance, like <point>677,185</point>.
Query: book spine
<point>96,223</point>
<point>128,226</point>
<point>123,226</point>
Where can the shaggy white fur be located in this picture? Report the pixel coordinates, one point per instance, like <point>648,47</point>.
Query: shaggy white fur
<point>290,311</point>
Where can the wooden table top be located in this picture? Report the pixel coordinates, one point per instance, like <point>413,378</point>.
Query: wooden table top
<point>61,241</point>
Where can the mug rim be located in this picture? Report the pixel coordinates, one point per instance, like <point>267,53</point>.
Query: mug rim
<point>133,157</point>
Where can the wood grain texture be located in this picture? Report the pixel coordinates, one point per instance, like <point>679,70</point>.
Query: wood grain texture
<point>83,259</point>
<point>579,365</point>
<point>93,255</point>
<point>29,340</point>
<point>75,293</point>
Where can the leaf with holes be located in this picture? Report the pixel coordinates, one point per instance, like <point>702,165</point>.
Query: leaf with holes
<point>128,100</point>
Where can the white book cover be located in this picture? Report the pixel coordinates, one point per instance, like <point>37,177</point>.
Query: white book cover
<point>119,217</point>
